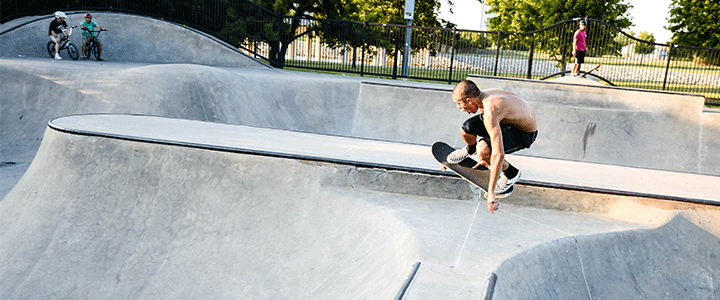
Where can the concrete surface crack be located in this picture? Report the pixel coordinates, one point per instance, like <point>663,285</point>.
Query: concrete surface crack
<point>582,266</point>
<point>467,235</point>
<point>200,98</point>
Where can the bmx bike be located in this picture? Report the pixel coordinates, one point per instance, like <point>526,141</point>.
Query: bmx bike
<point>92,48</point>
<point>65,44</point>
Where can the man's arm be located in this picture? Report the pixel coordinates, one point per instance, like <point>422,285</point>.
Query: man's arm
<point>575,42</point>
<point>491,118</point>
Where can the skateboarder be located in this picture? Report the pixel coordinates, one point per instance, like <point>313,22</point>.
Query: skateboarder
<point>506,123</point>
<point>579,38</point>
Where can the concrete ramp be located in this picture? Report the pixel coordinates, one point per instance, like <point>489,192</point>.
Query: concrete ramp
<point>680,260</point>
<point>130,38</point>
<point>131,206</point>
<point>98,217</point>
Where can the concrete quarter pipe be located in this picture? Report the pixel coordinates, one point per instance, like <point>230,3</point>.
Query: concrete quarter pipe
<point>104,218</point>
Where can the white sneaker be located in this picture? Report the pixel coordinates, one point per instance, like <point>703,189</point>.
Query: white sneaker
<point>504,183</point>
<point>57,56</point>
<point>457,156</point>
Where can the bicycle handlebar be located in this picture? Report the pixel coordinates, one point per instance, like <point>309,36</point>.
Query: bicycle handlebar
<point>93,31</point>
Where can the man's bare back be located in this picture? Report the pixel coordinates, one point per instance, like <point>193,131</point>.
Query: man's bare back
<point>510,108</point>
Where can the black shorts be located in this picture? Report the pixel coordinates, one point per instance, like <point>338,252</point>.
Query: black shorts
<point>579,57</point>
<point>513,139</point>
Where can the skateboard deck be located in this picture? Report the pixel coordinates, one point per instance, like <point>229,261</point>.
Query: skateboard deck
<point>588,72</point>
<point>478,177</point>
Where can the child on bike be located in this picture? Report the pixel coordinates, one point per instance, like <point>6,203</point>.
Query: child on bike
<point>56,31</point>
<point>88,26</point>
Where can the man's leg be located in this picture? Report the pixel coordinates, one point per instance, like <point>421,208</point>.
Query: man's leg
<point>82,49</point>
<point>57,46</point>
<point>460,154</point>
<point>575,69</point>
<point>100,46</point>
<point>515,140</point>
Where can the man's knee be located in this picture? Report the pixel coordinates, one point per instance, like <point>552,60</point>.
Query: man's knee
<point>484,149</point>
<point>471,125</point>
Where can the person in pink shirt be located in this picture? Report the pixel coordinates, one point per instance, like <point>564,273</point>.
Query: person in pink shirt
<point>579,48</point>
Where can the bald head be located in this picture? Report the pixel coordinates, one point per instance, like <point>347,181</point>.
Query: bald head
<point>466,89</point>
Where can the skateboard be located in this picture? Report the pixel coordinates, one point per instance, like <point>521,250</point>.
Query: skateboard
<point>588,72</point>
<point>478,177</point>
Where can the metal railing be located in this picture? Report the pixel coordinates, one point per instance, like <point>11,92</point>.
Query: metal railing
<point>449,55</point>
<point>438,54</point>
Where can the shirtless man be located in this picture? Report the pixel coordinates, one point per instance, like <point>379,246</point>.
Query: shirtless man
<point>506,124</point>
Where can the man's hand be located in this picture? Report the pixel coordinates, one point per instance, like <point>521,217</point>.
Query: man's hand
<point>493,205</point>
<point>481,163</point>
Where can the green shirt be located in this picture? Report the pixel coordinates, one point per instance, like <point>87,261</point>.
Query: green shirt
<point>90,26</point>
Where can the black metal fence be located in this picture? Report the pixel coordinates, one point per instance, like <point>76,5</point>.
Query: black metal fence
<point>438,54</point>
<point>448,55</point>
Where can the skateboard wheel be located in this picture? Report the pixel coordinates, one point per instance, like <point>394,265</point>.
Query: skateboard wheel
<point>443,168</point>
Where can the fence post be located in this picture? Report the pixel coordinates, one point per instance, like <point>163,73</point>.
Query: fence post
<point>395,56</point>
<point>275,55</point>
<point>364,44</point>
<point>406,55</point>
<point>667,66</point>
<point>497,54</point>
<point>530,59</point>
<point>452,55</point>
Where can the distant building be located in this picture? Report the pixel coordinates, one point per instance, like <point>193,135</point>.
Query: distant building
<point>629,52</point>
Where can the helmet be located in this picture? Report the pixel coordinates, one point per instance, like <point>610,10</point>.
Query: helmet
<point>59,14</point>
<point>583,22</point>
<point>88,15</point>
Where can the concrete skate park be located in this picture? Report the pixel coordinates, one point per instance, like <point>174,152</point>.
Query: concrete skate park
<point>198,172</point>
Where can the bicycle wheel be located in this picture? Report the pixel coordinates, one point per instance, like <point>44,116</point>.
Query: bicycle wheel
<point>74,54</point>
<point>88,50</point>
<point>96,51</point>
<point>51,49</point>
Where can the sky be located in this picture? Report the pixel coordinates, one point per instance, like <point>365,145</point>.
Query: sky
<point>647,15</point>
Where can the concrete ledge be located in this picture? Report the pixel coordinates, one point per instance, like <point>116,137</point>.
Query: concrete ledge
<point>611,125</point>
<point>710,142</point>
<point>404,157</point>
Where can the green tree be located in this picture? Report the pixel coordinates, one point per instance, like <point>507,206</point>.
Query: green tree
<point>642,47</point>
<point>282,31</point>
<point>645,48</point>
<point>338,34</point>
<point>695,23</point>
<point>623,40</point>
<point>280,27</point>
<point>531,15</point>
<point>391,12</point>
